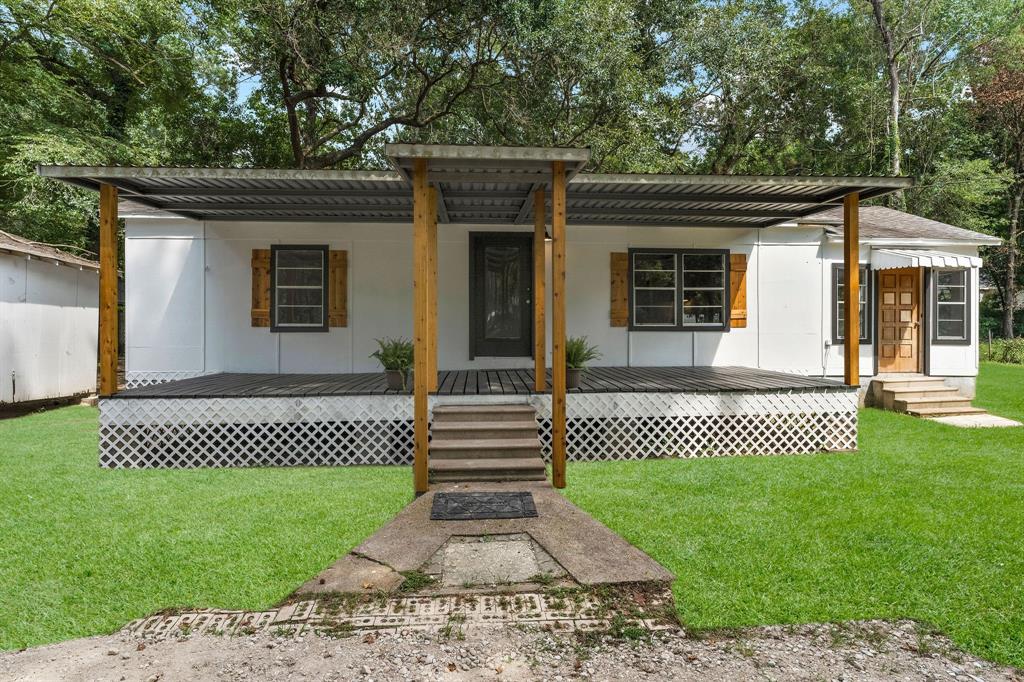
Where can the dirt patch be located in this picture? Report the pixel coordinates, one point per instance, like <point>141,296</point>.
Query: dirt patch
<point>856,651</point>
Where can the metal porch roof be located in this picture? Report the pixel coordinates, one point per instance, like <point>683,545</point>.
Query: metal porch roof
<point>479,186</point>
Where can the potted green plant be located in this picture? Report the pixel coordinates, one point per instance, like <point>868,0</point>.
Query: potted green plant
<point>395,355</point>
<point>578,352</point>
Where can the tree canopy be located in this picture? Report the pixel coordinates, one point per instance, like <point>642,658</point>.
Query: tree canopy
<point>929,88</point>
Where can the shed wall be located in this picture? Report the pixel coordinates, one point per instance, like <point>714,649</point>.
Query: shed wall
<point>48,329</point>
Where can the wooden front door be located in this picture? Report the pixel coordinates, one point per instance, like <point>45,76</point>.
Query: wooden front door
<point>899,320</point>
<point>501,288</point>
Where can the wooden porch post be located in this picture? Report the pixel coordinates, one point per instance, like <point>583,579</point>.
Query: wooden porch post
<point>540,381</point>
<point>432,285</point>
<point>851,289</point>
<point>421,210</point>
<point>558,434</point>
<point>108,334</point>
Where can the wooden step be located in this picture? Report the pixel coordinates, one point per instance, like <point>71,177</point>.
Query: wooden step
<point>944,411</point>
<point>452,430</point>
<point>891,395</point>
<point>485,413</point>
<point>939,401</point>
<point>911,382</point>
<point>485,448</point>
<point>921,391</point>
<point>515,469</point>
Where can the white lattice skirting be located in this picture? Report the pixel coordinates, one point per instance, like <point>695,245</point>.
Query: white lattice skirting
<point>344,430</point>
<point>137,379</point>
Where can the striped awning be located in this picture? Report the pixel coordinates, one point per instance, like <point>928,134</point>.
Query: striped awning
<point>888,259</point>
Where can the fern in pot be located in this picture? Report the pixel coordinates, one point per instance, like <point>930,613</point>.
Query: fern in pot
<point>395,355</point>
<point>578,352</point>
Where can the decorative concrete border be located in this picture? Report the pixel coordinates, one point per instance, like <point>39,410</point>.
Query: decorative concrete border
<point>450,616</point>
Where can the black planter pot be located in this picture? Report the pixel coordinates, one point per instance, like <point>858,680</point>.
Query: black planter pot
<point>397,379</point>
<point>572,377</point>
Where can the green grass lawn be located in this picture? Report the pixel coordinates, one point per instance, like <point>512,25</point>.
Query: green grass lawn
<point>84,549</point>
<point>926,522</point>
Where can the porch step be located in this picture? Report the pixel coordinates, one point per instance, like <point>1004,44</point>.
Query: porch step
<point>484,413</point>
<point>922,396</point>
<point>515,469</point>
<point>910,404</point>
<point>490,442</point>
<point>945,411</point>
<point>451,430</point>
<point>919,392</point>
<point>911,382</point>
<point>493,448</point>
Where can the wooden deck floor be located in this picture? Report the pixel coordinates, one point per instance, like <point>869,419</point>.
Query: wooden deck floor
<point>491,382</point>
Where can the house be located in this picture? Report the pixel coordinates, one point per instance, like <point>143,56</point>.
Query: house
<point>48,322</point>
<point>254,298</point>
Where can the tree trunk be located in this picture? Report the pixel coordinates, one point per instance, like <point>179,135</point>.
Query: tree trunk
<point>894,147</point>
<point>1010,302</point>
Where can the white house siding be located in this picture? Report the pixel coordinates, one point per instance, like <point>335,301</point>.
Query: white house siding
<point>48,329</point>
<point>188,289</point>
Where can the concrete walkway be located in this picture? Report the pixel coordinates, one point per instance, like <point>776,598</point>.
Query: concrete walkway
<point>589,552</point>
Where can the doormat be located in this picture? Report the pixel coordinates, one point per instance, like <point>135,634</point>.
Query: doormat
<point>486,505</point>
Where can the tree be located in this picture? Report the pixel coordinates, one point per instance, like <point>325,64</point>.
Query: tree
<point>345,71</point>
<point>1000,101</point>
<point>923,43</point>
<point>110,81</point>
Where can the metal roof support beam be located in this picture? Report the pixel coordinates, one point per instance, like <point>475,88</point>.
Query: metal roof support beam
<point>442,207</point>
<point>528,200</point>
<point>685,212</point>
<point>268,192</point>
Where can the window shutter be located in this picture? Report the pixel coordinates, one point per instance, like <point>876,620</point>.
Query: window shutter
<point>619,289</point>
<point>738,290</point>
<point>260,313</point>
<point>337,289</point>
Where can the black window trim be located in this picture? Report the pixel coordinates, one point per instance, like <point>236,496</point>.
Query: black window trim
<point>274,249</point>
<point>866,329</point>
<point>680,326</point>
<point>934,308</point>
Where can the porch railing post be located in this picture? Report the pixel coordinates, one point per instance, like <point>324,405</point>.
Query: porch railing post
<point>422,207</point>
<point>108,332</point>
<point>558,407</point>
<point>540,381</point>
<point>432,296</point>
<point>851,289</point>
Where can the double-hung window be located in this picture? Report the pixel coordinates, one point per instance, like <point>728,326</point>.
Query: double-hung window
<point>951,312</point>
<point>839,305</point>
<point>679,289</point>
<point>298,288</point>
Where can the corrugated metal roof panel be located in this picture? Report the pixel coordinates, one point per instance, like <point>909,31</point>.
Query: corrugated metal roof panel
<point>475,185</point>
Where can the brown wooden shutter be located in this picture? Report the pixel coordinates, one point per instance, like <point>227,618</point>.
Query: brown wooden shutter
<point>337,290</point>
<point>260,312</point>
<point>620,289</point>
<point>738,290</point>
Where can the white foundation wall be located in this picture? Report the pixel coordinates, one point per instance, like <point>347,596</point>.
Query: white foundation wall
<point>188,288</point>
<point>48,329</point>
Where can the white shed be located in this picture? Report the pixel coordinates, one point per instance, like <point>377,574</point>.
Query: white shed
<point>48,322</point>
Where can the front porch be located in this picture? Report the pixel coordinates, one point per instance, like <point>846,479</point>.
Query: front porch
<point>479,382</point>
<point>343,419</point>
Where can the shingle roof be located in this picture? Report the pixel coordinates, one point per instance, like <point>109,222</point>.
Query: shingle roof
<point>880,222</point>
<point>14,244</point>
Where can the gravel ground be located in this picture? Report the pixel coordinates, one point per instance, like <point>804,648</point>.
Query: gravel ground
<point>872,650</point>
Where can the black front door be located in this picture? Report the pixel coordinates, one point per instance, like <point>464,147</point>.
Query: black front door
<point>501,287</point>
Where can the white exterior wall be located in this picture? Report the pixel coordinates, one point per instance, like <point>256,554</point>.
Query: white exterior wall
<point>188,288</point>
<point>48,329</point>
